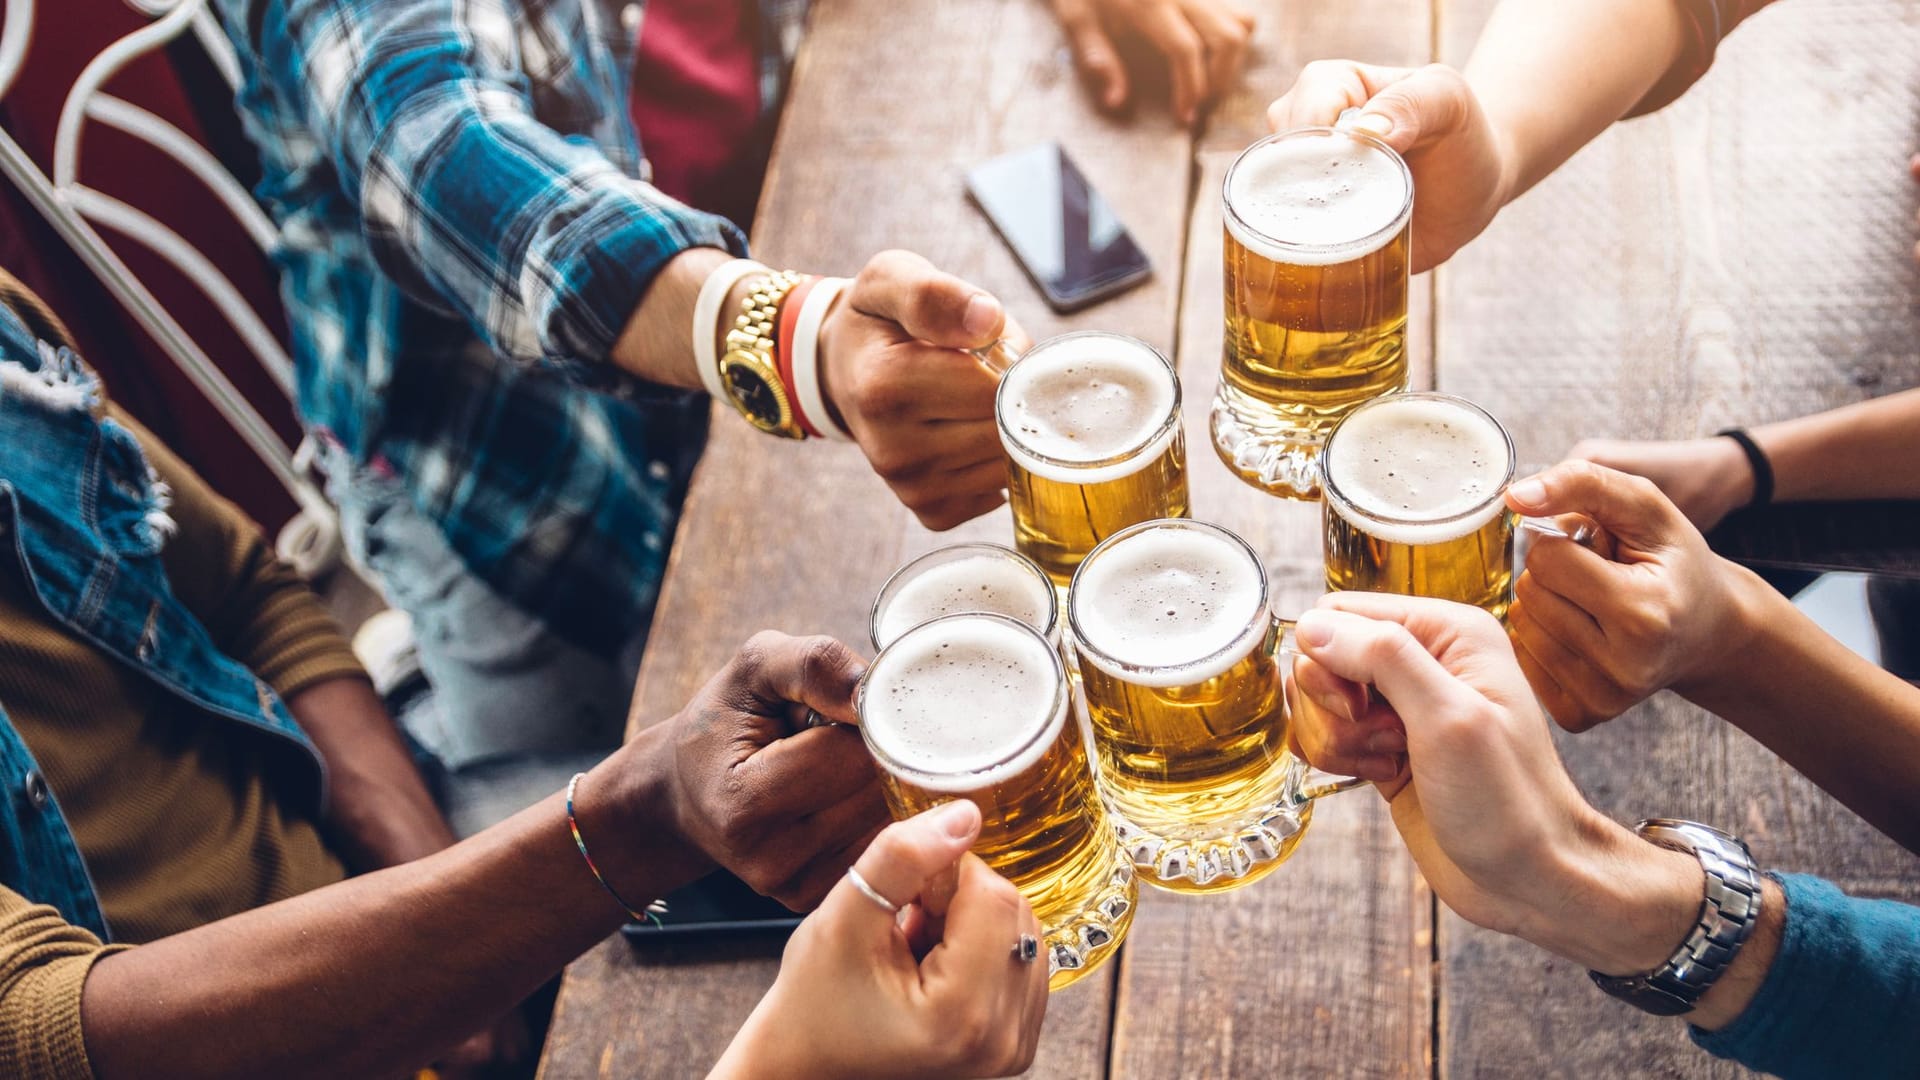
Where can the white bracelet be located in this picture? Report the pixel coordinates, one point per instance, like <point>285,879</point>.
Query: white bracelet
<point>806,358</point>
<point>706,319</point>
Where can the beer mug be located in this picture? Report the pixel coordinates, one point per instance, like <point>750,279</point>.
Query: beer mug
<point>977,706</point>
<point>962,578</point>
<point>1317,244</point>
<point>1415,504</point>
<point>1181,670</point>
<point>1091,426</point>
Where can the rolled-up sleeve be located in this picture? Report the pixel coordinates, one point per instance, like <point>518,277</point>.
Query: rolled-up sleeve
<point>44,963</point>
<point>472,204</point>
<point>1843,995</point>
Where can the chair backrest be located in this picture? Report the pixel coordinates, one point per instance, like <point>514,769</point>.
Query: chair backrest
<point>78,213</point>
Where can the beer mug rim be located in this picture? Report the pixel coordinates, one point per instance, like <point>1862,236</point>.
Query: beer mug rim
<point>1356,247</point>
<point>953,552</point>
<point>943,781</point>
<point>1153,438</point>
<point>1354,511</point>
<point>1262,613</point>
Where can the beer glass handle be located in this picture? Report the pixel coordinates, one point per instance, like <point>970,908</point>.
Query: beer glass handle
<point>1318,785</point>
<point>997,357</point>
<point>1583,534</point>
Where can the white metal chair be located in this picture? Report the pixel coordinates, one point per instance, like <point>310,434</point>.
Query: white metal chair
<point>311,540</point>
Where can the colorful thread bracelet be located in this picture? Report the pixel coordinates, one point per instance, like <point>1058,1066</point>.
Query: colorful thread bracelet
<point>652,912</point>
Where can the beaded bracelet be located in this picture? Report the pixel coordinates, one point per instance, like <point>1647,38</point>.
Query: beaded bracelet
<point>652,912</point>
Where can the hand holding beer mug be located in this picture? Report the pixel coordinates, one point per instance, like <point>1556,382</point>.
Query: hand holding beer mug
<point>976,706</point>
<point>1179,661</point>
<point>1317,226</point>
<point>1091,427</point>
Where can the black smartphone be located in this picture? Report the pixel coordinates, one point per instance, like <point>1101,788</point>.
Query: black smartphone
<point>1064,234</point>
<point>716,904</point>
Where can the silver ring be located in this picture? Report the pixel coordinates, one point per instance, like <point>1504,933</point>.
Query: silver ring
<point>814,720</point>
<point>1027,949</point>
<point>871,893</point>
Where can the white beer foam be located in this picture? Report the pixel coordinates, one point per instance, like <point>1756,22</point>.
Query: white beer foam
<point>970,583</point>
<point>1330,192</point>
<point>964,703</point>
<point>1086,398</point>
<point>1421,462</point>
<point>1185,602</point>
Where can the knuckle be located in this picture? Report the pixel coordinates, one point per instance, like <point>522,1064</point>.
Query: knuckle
<point>752,657</point>
<point>822,660</point>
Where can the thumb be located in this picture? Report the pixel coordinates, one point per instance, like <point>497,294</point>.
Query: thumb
<point>1632,509</point>
<point>1385,654</point>
<point>909,855</point>
<point>1093,50</point>
<point>928,304</point>
<point>1427,104</point>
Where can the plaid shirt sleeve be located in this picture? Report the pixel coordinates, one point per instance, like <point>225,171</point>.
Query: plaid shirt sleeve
<point>1707,23</point>
<point>426,109</point>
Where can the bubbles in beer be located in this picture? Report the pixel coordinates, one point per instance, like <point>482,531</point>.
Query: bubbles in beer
<point>1003,586</point>
<point>1317,191</point>
<point>971,699</point>
<point>1170,598</point>
<point>1421,462</point>
<point>1085,399</point>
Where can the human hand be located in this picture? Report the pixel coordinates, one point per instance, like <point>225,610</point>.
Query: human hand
<point>1485,806</point>
<point>1707,479</point>
<point>1597,633</point>
<point>1204,43</point>
<point>860,996</point>
<point>736,778</point>
<point>1461,167</point>
<point>894,367</point>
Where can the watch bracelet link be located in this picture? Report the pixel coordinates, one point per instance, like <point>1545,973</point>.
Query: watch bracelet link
<point>1729,909</point>
<point>750,358</point>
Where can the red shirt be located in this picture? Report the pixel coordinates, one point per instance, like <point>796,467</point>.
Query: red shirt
<point>696,103</point>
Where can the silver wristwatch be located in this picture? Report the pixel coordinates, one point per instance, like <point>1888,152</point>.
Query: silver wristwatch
<point>1728,913</point>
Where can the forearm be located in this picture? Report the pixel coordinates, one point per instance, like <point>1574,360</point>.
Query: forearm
<point>1869,450</point>
<point>1850,726</point>
<point>379,812</point>
<point>378,973</point>
<point>1552,77</point>
<point>657,342</point>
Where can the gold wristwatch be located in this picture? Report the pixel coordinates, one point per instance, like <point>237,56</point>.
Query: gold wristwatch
<point>748,369</point>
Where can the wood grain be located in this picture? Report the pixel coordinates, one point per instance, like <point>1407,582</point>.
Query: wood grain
<point>1740,257</point>
<point>891,103</point>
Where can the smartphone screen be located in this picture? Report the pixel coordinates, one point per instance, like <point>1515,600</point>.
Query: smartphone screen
<point>1063,232</point>
<point>717,904</point>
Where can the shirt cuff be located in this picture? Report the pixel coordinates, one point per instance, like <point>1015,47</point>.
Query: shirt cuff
<point>607,258</point>
<point>52,1043</point>
<point>1842,993</point>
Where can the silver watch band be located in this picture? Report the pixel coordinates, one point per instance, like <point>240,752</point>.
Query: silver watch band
<point>1728,912</point>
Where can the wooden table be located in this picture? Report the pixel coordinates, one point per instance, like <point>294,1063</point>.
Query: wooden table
<point>1739,257</point>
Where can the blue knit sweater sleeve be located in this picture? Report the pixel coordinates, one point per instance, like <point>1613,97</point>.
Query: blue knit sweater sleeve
<point>1843,995</point>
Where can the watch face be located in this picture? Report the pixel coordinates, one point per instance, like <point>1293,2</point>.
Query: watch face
<point>754,393</point>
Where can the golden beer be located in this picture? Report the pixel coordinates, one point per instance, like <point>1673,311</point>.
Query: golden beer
<point>1318,236</point>
<point>1415,487</point>
<point>961,578</point>
<point>1091,426</point>
<point>976,706</point>
<point>1177,656</point>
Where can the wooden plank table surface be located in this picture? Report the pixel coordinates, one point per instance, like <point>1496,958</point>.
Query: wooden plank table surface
<point>1740,257</point>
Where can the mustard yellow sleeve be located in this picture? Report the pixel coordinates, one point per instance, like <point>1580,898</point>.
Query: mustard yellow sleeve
<point>44,962</point>
<point>221,567</point>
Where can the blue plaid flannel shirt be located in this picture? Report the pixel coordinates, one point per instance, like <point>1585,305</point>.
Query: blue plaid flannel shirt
<point>464,232</point>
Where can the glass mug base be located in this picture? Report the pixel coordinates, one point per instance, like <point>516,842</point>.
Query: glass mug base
<point>1079,942</point>
<point>1219,856</point>
<point>1264,450</point>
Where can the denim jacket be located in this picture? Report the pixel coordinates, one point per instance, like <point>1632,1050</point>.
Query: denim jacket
<point>82,521</point>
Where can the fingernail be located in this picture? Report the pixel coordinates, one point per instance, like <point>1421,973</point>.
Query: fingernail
<point>1377,768</point>
<point>1336,704</point>
<point>1375,124</point>
<point>1391,741</point>
<point>983,314</point>
<point>1314,631</point>
<point>957,818</point>
<point>1528,492</point>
